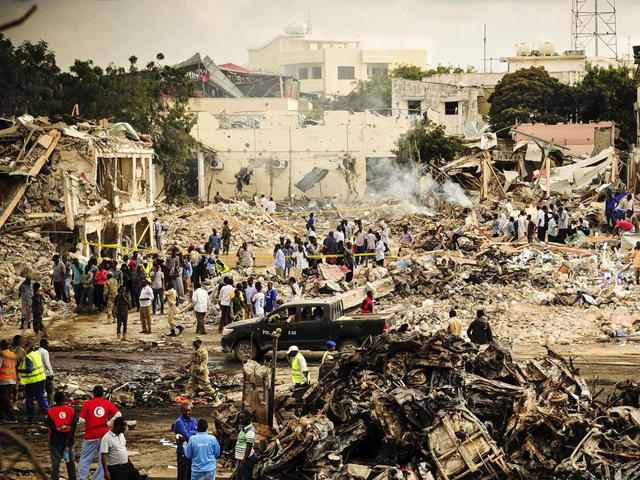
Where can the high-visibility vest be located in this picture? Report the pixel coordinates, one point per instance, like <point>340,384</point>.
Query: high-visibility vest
<point>221,267</point>
<point>8,375</point>
<point>37,374</point>
<point>296,373</point>
<point>147,271</point>
<point>327,356</point>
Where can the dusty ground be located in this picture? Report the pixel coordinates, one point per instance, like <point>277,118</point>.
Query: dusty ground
<point>88,345</point>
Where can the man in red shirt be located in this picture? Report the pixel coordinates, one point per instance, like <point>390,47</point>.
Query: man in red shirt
<point>623,227</point>
<point>367,303</point>
<point>62,421</point>
<point>95,413</point>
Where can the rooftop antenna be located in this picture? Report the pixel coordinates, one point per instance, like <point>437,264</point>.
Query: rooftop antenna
<point>308,23</point>
<point>594,23</point>
<point>484,58</point>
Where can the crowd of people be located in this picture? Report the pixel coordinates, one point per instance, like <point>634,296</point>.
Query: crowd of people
<point>22,363</point>
<point>158,284</point>
<point>554,222</point>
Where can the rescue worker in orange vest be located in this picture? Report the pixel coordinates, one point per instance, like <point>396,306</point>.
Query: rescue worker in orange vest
<point>33,377</point>
<point>62,421</point>
<point>8,379</point>
<point>367,303</point>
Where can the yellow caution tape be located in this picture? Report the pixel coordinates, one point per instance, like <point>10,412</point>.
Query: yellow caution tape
<point>149,250</point>
<point>421,218</point>
<point>359,209</point>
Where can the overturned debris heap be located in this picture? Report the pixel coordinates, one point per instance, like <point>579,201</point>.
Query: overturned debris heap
<point>422,407</point>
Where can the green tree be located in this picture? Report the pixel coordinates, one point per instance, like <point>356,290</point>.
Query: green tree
<point>424,145</point>
<point>408,72</point>
<point>608,94</point>
<point>529,96</point>
<point>373,94</point>
<point>29,79</point>
<point>152,99</point>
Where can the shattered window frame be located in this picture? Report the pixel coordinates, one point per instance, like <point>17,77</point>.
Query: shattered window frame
<point>412,109</point>
<point>452,108</point>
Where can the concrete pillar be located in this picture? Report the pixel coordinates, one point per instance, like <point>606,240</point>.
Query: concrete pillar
<point>201,169</point>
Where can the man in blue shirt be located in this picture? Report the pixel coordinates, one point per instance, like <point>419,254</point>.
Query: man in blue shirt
<point>184,428</point>
<point>203,449</point>
<point>610,205</point>
<point>214,242</point>
<point>270,298</point>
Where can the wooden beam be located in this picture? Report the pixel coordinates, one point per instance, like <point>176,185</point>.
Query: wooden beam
<point>22,183</point>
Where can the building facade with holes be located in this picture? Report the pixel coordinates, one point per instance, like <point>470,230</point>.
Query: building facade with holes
<point>452,106</point>
<point>279,148</point>
<point>122,174</point>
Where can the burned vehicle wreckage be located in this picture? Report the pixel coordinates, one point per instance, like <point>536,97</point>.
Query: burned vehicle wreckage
<point>408,405</point>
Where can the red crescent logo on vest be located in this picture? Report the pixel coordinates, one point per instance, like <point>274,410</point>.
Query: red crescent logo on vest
<point>99,412</point>
<point>62,415</point>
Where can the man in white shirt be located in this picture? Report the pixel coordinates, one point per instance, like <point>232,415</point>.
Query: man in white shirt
<point>200,306</point>
<point>115,458</point>
<point>146,297</point>
<point>264,203</point>
<point>563,224</point>
<point>542,221</point>
<point>258,301</point>
<point>157,227</point>
<point>279,261</point>
<point>271,206</point>
<point>48,370</point>
<point>294,291</point>
<point>338,235</point>
<point>224,299</point>
<point>380,249</point>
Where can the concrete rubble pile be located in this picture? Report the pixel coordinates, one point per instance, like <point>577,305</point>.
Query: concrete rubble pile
<point>413,406</point>
<point>247,223</point>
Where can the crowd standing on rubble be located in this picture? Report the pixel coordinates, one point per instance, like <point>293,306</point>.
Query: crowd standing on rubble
<point>156,283</point>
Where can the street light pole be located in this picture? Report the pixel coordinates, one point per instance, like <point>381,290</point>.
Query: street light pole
<point>272,389</point>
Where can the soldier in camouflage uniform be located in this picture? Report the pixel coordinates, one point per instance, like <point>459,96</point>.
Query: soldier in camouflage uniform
<point>37,309</point>
<point>199,371</point>
<point>110,294</point>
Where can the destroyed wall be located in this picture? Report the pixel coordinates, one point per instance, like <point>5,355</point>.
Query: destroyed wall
<point>85,182</point>
<point>216,106</point>
<point>455,105</point>
<point>294,149</point>
<point>580,138</point>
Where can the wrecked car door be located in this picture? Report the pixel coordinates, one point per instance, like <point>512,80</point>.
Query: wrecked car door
<point>311,328</point>
<point>278,319</point>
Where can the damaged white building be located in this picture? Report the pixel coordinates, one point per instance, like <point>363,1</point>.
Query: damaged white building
<point>81,183</point>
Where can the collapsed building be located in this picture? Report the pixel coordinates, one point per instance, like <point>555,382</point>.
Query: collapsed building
<point>78,181</point>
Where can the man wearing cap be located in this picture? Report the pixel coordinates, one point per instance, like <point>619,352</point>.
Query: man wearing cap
<point>299,372</point>
<point>110,294</point>
<point>328,355</point>
<point>199,371</point>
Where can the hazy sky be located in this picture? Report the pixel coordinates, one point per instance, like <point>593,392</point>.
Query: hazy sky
<point>451,30</point>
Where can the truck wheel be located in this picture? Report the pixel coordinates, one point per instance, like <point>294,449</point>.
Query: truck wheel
<point>348,345</point>
<point>245,350</point>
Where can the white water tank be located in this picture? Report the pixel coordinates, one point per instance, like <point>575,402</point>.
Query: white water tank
<point>547,49</point>
<point>523,50</point>
<point>295,29</point>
